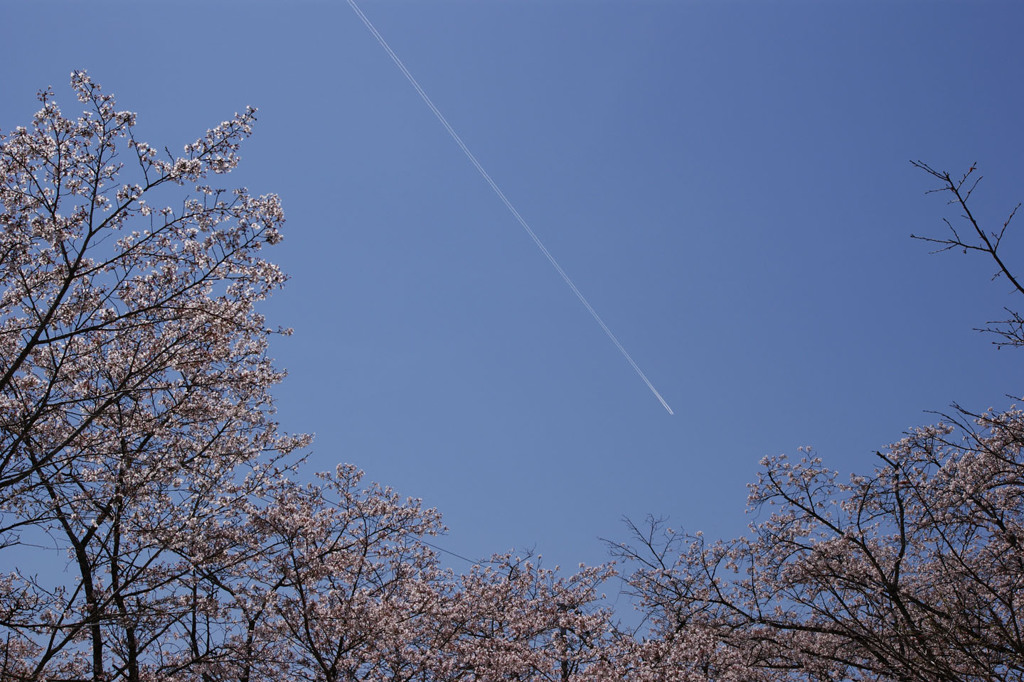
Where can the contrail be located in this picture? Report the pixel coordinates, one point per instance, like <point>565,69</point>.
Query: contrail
<point>508,204</point>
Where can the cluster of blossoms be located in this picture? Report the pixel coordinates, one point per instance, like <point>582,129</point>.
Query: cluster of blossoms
<point>139,451</point>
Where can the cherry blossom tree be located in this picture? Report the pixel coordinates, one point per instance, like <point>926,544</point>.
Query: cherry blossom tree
<point>134,403</point>
<point>340,583</point>
<point>513,619</point>
<point>343,586</point>
<point>912,572</point>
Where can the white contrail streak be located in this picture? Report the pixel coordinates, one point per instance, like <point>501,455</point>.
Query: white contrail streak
<point>508,204</point>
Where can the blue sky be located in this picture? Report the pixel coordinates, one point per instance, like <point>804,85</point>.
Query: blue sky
<point>727,182</point>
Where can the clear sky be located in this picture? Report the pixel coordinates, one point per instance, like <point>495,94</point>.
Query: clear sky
<point>727,182</point>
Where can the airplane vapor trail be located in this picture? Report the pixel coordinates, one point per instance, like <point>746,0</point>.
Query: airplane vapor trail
<point>508,204</point>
